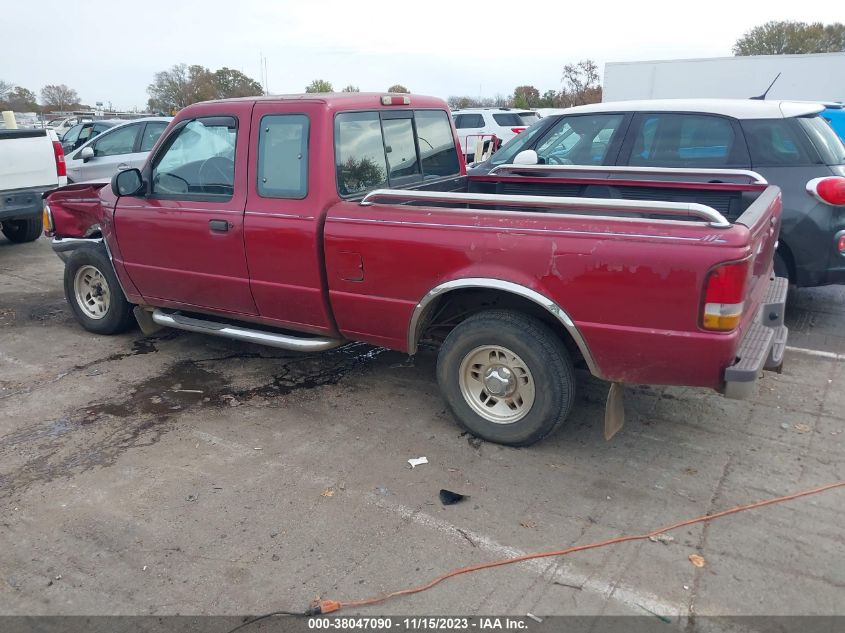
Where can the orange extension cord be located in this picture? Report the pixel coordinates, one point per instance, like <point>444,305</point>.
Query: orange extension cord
<point>329,606</point>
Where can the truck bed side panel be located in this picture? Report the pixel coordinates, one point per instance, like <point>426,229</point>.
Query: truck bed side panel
<point>632,287</point>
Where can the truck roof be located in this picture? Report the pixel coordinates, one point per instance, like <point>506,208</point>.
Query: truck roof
<point>346,100</point>
<point>737,108</point>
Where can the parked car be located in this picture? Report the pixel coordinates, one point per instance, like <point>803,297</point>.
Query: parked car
<point>62,124</point>
<point>83,132</point>
<point>121,147</point>
<point>31,163</point>
<point>303,222</point>
<point>789,143</point>
<point>474,124</point>
<point>834,113</point>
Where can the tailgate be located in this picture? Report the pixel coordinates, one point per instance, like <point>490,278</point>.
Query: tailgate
<point>27,160</point>
<point>762,219</point>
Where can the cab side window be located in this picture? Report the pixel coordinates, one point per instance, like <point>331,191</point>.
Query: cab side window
<point>198,161</point>
<point>283,156</point>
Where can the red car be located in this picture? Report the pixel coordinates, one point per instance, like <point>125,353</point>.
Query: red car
<point>306,221</point>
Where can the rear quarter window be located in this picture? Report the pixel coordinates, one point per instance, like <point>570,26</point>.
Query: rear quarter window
<point>508,119</point>
<point>398,148</point>
<point>776,142</point>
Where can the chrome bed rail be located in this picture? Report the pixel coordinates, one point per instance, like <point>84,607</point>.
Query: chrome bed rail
<point>751,177</point>
<point>682,210</point>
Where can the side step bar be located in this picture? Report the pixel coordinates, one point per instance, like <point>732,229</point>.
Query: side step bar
<point>238,333</point>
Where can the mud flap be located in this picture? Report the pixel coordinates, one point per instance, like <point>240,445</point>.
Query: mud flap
<point>145,321</point>
<point>614,412</point>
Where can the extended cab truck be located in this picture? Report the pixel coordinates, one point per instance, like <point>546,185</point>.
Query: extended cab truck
<point>31,163</point>
<point>305,221</point>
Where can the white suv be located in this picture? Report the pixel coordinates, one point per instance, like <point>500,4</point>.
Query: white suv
<point>481,124</point>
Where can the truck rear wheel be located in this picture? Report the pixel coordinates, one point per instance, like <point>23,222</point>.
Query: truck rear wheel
<point>20,231</point>
<point>506,377</point>
<point>94,294</point>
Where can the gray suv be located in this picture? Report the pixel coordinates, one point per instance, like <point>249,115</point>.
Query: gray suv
<point>788,143</point>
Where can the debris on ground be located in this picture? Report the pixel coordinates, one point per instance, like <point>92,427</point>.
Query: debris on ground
<point>696,560</point>
<point>661,538</point>
<point>534,617</point>
<point>328,492</point>
<point>449,498</point>
<point>192,497</point>
<point>417,461</point>
<point>528,523</point>
<point>802,428</point>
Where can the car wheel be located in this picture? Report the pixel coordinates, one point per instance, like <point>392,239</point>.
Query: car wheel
<point>506,377</point>
<point>20,231</point>
<point>781,267</point>
<point>94,294</point>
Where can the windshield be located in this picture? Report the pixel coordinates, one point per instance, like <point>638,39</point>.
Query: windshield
<point>825,140</point>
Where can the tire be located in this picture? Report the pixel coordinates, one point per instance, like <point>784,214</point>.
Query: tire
<point>20,231</point>
<point>781,267</point>
<point>516,356</point>
<point>94,294</point>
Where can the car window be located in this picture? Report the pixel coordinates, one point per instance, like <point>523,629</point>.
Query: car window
<point>683,140</point>
<point>399,147</point>
<point>518,143</point>
<point>464,121</point>
<point>283,156</point>
<point>152,132</point>
<point>824,139</point>
<point>508,119</point>
<point>198,161</point>
<point>773,142</point>
<point>120,141</point>
<point>72,134</point>
<point>579,140</point>
<point>438,154</point>
<point>529,118</point>
<point>359,152</point>
<point>85,134</point>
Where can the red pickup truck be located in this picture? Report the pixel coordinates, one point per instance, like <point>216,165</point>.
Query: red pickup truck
<point>306,221</point>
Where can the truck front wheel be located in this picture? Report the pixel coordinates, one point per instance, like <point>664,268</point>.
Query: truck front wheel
<point>506,377</point>
<point>94,294</point>
<point>20,231</point>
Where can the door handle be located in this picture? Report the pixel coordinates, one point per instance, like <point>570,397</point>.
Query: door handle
<point>219,225</point>
<point>122,166</point>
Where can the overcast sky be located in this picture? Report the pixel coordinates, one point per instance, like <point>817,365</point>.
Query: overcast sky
<point>109,51</point>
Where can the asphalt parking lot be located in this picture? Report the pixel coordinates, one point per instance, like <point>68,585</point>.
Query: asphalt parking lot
<point>192,475</point>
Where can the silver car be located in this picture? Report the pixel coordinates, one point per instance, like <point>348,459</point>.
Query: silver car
<point>122,147</point>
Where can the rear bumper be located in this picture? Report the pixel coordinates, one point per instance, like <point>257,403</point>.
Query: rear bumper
<point>763,345</point>
<point>22,203</point>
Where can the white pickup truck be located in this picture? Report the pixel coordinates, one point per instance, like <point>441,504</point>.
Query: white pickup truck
<point>31,163</point>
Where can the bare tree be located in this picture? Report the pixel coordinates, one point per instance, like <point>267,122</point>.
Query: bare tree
<point>5,89</point>
<point>398,88</point>
<point>59,97</point>
<point>581,84</point>
<point>351,88</point>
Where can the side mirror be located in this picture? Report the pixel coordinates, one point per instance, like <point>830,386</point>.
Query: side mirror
<point>526,157</point>
<point>127,182</point>
<point>86,154</point>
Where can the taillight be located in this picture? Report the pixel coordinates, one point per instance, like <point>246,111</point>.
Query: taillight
<point>724,296</point>
<point>830,190</point>
<point>517,129</point>
<point>47,221</point>
<point>59,153</point>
